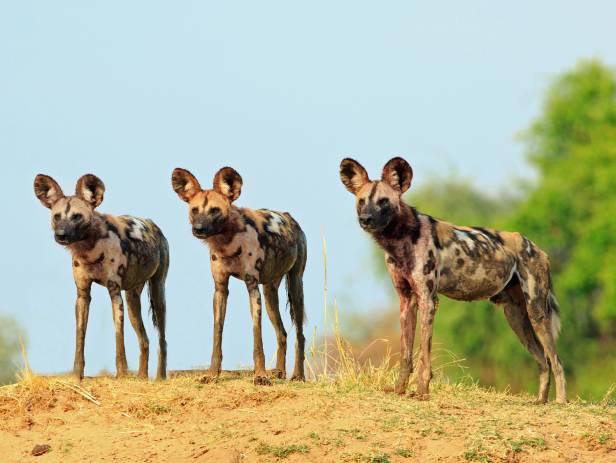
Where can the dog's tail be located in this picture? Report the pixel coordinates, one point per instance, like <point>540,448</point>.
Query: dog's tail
<point>553,312</point>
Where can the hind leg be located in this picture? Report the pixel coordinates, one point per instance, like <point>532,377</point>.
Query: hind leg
<point>536,288</point>
<point>270,292</point>
<point>296,298</point>
<point>133,301</point>
<point>515,312</point>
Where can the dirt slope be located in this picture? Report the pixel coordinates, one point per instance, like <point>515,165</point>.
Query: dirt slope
<point>232,420</point>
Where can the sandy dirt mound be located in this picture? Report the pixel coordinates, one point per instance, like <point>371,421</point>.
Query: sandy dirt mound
<point>132,420</point>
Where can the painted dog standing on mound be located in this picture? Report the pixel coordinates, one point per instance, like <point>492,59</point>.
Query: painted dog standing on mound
<point>425,256</point>
<point>118,252</point>
<point>256,246</point>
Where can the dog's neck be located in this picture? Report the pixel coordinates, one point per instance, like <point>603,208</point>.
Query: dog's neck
<point>234,225</point>
<point>403,228</point>
<point>96,230</point>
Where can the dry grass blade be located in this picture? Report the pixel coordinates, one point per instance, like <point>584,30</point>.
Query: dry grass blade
<point>79,390</point>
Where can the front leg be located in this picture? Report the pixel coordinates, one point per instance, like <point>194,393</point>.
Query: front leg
<point>118,320</point>
<point>408,323</point>
<point>427,304</point>
<point>82,310</point>
<point>408,319</point>
<point>255,310</point>
<point>221,294</point>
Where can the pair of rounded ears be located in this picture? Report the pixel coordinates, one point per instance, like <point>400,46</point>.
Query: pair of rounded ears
<point>89,187</point>
<point>397,173</point>
<point>227,182</point>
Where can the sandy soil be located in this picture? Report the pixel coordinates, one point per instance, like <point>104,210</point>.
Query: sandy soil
<point>233,421</point>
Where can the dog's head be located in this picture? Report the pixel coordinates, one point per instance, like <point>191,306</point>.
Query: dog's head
<point>71,216</point>
<point>208,210</point>
<point>377,201</point>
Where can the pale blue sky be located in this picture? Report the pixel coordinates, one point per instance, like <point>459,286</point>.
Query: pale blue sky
<point>279,90</point>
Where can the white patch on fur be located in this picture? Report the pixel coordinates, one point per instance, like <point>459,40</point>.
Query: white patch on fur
<point>477,232</point>
<point>51,192</point>
<point>276,222</point>
<point>139,227</point>
<point>464,237</point>
<point>188,186</point>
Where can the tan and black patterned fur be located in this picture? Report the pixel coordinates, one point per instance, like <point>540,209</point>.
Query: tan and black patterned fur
<point>425,257</point>
<point>117,252</point>
<point>256,246</point>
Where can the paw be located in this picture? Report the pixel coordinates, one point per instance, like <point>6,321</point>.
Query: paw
<point>261,381</point>
<point>420,396</point>
<point>208,379</point>
<point>278,374</point>
<point>297,377</point>
<point>400,388</point>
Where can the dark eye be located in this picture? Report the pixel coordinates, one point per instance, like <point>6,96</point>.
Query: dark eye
<point>361,202</point>
<point>56,217</point>
<point>76,217</point>
<point>383,202</point>
<point>194,210</point>
<point>214,211</point>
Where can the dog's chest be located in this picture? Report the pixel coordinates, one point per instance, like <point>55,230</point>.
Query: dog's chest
<point>103,263</point>
<point>242,256</point>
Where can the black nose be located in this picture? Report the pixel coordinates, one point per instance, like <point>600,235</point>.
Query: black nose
<point>365,219</point>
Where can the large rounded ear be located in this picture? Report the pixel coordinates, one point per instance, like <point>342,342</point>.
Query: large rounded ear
<point>184,184</point>
<point>91,189</point>
<point>47,190</point>
<point>398,173</point>
<point>228,182</point>
<point>353,175</point>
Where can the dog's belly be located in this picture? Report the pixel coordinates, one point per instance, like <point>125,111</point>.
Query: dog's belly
<point>479,278</point>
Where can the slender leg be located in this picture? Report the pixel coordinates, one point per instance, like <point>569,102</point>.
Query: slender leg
<point>536,292</point>
<point>82,310</point>
<point>516,315</point>
<point>133,302</point>
<point>427,310</point>
<point>273,311</point>
<point>118,320</point>
<point>255,310</point>
<point>221,293</point>
<point>408,323</point>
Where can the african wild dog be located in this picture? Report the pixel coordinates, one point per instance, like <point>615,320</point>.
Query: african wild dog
<point>118,252</point>
<point>425,256</point>
<point>256,246</point>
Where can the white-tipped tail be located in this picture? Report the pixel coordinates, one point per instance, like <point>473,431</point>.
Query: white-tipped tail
<point>554,314</point>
